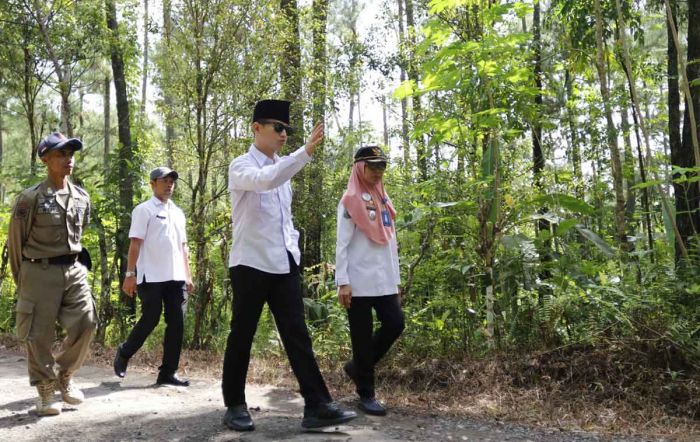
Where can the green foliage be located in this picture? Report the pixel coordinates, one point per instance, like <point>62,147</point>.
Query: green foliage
<point>471,223</point>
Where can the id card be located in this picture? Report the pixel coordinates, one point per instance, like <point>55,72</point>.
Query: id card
<point>386,219</point>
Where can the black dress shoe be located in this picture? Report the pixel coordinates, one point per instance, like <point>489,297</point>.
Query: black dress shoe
<point>238,418</point>
<point>120,363</point>
<point>371,406</point>
<point>172,379</point>
<point>349,369</point>
<point>326,415</point>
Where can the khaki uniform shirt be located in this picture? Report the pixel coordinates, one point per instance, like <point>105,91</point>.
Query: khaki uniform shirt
<point>43,226</point>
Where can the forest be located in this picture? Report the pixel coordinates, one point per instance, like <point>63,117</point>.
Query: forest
<point>544,168</point>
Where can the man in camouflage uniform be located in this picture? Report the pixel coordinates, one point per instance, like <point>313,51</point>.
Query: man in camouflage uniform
<point>44,247</point>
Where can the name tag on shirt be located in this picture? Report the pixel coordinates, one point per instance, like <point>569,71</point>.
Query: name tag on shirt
<point>386,219</point>
<point>48,205</point>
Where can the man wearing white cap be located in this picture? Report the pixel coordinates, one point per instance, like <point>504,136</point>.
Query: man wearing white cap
<point>158,269</point>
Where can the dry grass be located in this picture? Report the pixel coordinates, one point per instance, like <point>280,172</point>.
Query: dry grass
<point>608,391</point>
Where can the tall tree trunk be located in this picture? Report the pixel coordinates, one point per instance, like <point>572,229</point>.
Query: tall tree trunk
<point>543,226</point>
<point>639,123</point>
<point>611,132</point>
<point>412,71</point>
<point>312,251</point>
<point>674,105</point>
<point>573,134</point>
<point>628,169</point>
<point>351,126</point>
<point>385,123</point>
<point>198,196</point>
<point>167,96</point>
<point>290,72</point>
<point>107,128</point>
<point>144,70</point>
<point>2,148</point>
<point>62,72</point>
<point>686,155</point>
<point>29,105</point>
<point>106,309</point>
<point>537,156</point>
<point>126,148</point>
<point>405,140</point>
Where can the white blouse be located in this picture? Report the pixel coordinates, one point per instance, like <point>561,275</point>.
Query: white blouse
<point>371,269</point>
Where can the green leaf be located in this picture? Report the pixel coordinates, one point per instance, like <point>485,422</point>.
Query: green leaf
<point>441,204</point>
<point>488,162</point>
<point>668,225</point>
<point>597,240</point>
<point>567,202</point>
<point>645,184</point>
<point>565,226</point>
<point>549,216</point>
<point>406,89</point>
<point>438,6</point>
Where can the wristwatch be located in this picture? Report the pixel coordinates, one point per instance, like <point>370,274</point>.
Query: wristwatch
<point>129,274</point>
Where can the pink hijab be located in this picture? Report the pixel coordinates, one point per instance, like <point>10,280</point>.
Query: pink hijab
<point>357,207</point>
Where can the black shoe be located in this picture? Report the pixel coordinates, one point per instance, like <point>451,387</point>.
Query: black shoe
<point>370,405</point>
<point>326,415</point>
<point>120,363</point>
<point>172,379</point>
<point>349,369</point>
<point>238,418</point>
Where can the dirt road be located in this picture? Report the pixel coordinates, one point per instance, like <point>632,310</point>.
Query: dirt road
<point>136,409</point>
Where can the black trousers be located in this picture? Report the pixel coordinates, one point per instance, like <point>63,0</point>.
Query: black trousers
<point>155,297</point>
<point>251,289</point>
<point>369,346</point>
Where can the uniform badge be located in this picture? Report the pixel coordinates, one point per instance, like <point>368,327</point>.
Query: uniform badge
<point>366,197</point>
<point>47,205</point>
<point>21,210</point>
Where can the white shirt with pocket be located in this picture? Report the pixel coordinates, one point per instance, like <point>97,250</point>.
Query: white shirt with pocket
<point>261,210</point>
<point>161,226</point>
<point>371,269</point>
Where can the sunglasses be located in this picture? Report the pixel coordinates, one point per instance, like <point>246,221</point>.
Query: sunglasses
<point>376,166</point>
<point>279,127</point>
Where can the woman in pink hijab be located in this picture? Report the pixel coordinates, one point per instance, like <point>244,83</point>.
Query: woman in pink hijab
<point>367,271</point>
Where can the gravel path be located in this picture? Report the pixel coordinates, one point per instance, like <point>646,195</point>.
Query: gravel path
<point>136,409</point>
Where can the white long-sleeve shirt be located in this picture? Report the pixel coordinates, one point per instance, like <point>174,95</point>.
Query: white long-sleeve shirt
<point>371,269</point>
<point>261,210</point>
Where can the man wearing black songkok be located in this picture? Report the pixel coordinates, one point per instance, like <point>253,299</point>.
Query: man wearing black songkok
<point>264,267</point>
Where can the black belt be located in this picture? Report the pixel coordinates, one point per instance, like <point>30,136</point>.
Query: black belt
<point>56,260</point>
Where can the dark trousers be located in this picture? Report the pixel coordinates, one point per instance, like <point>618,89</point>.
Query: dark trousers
<point>156,296</point>
<point>251,289</point>
<point>369,346</point>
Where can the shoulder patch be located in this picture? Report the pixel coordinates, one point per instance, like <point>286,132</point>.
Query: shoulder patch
<point>21,210</point>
